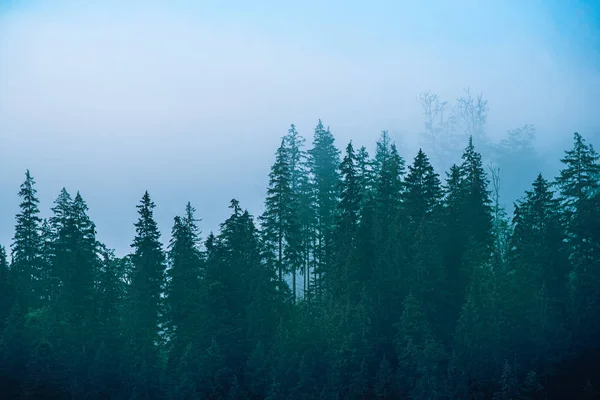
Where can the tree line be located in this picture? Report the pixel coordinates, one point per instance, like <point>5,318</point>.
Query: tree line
<point>364,278</point>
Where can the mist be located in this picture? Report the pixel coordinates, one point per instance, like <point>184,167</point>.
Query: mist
<point>190,101</point>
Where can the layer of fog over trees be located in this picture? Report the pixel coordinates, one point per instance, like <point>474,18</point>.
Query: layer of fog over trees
<point>468,269</point>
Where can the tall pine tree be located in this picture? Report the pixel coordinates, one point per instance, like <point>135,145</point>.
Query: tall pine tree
<point>26,248</point>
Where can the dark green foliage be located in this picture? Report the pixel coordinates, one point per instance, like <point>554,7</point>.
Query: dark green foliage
<point>324,159</point>
<point>144,301</point>
<point>579,182</point>
<point>26,248</point>
<point>410,290</point>
<point>185,273</point>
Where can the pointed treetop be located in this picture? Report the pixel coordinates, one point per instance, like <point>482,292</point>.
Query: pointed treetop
<point>235,205</point>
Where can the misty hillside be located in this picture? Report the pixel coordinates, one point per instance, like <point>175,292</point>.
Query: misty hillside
<point>366,276</point>
<point>299,200</point>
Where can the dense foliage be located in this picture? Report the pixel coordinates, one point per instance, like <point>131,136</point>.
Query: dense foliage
<point>364,278</point>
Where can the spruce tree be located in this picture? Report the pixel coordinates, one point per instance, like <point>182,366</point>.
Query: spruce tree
<point>580,178</point>
<point>366,178</point>
<point>477,203</point>
<point>389,170</point>
<point>324,159</point>
<point>339,274</point>
<point>80,277</point>
<point>184,273</point>
<point>579,182</point>
<point>300,221</point>
<point>60,241</point>
<point>422,191</point>
<point>145,298</point>
<point>26,248</point>
<point>279,221</point>
<point>539,259</point>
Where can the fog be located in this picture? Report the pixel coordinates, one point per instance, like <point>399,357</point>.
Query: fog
<point>190,101</point>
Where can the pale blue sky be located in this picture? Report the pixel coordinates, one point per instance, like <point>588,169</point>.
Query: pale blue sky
<point>189,99</point>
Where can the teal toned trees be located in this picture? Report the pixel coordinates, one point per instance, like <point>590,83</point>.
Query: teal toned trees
<point>280,225</point>
<point>26,248</point>
<point>324,159</point>
<point>341,269</point>
<point>145,302</point>
<point>579,182</point>
<point>184,284</point>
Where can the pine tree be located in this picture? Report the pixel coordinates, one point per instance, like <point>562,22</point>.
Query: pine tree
<point>579,182</point>
<point>538,256</point>
<point>581,176</point>
<point>144,298</point>
<point>79,281</point>
<point>422,191</point>
<point>241,304</point>
<point>364,167</point>
<point>324,159</point>
<point>111,293</point>
<point>184,273</point>
<point>26,248</point>
<point>477,202</point>
<point>389,170</point>
<point>299,221</point>
<point>339,275</point>
<point>279,221</point>
<point>60,242</point>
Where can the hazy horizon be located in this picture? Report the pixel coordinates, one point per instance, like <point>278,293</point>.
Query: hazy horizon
<point>190,101</point>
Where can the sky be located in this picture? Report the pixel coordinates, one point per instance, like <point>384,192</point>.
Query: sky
<point>189,99</point>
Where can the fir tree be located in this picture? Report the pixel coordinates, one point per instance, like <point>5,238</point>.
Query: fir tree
<point>579,181</point>
<point>422,191</point>
<point>279,221</point>
<point>144,298</point>
<point>184,273</point>
<point>324,159</point>
<point>346,226</point>
<point>26,248</point>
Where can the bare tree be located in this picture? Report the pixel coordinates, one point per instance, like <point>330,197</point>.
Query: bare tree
<point>501,224</point>
<point>471,115</point>
<point>438,137</point>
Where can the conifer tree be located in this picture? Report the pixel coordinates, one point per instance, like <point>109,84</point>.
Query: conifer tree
<point>324,159</point>
<point>300,219</point>
<point>345,231</point>
<point>579,182</point>
<point>241,304</point>
<point>80,277</point>
<point>111,293</point>
<point>422,191</point>
<point>26,248</point>
<point>580,178</point>
<point>185,273</point>
<point>389,170</point>
<point>364,170</point>
<point>279,221</point>
<point>539,258</point>
<point>144,298</point>
<point>59,235</point>
<point>477,202</point>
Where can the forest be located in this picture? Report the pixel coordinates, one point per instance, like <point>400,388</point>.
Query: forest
<point>366,277</point>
